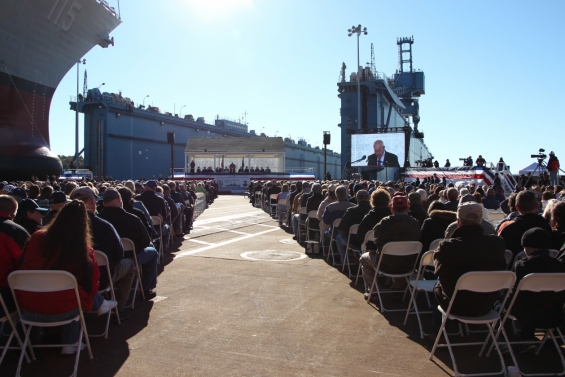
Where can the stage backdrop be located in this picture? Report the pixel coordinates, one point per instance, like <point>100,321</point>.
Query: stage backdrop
<point>362,145</point>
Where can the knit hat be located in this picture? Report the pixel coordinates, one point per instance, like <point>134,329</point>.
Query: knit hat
<point>536,237</point>
<point>400,202</point>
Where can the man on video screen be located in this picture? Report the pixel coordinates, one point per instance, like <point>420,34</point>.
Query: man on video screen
<point>381,157</point>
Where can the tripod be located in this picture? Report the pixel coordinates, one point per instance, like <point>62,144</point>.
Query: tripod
<point>539,168</point>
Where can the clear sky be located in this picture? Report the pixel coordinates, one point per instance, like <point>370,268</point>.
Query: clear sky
<point>494,69</point>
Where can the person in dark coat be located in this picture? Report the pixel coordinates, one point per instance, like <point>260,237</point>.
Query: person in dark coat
<point>434,227</point>
<point>29,215</point>
<point>512,231</point>
<point>537,310</point>
<point>416,210</point>
<point>489,201</point>
<point>468,250</point>
<point>453,202</point>
<point>380,201</point>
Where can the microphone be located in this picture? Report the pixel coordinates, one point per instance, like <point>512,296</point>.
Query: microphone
<point>361,159</point>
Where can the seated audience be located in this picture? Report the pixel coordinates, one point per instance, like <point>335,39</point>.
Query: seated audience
<point>57,200</point>
<point>489,201</point>
<point>353,215</point>
<point>397,227</point>
<point>417,211</point>
<point>380,203</point>
<point>434,227</point>
<point>468,250</point>
<point>64,245</point>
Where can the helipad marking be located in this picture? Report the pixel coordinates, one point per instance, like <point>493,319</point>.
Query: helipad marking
<point>268,254</point>
<point>191,252</point>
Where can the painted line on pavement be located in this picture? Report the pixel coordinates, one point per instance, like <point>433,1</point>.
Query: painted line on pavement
<point>198,241</point>
<point>232,231</point>
<point>226,218</point>
<point>192,252</point>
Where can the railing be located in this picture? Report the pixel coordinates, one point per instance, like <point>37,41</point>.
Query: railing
<point>299,170</point>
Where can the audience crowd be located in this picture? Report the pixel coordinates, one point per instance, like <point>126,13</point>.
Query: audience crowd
<point>51,225</point>
<point>531,227</point>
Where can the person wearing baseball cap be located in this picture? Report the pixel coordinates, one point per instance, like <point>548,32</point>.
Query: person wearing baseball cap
<point>29,215</point>
<point>468,250</point>
<point>57,200</point>
<point>399,226</point>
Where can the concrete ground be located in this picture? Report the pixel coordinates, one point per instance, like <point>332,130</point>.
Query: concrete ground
<point>272,312</point>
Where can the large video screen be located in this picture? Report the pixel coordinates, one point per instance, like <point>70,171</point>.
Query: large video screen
<point>377,150</point>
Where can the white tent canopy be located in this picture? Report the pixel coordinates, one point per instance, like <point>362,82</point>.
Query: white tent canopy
<point>532,169</point>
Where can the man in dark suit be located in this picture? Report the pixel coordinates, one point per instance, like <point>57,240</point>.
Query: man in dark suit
<point>382,157</point>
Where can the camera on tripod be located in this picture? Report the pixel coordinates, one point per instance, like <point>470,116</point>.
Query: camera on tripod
<point>541,155</point>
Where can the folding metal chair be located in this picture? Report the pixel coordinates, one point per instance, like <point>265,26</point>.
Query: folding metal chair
<point>481,282</point>
<point>435,244</point>
<point>273,204</point>
<point>102,261</point>
<point>369,237</point>
<point>419,284</point>
<point>9,318</point>
<point>282,209</point>
<point>395,249</point>
<point>538,282</point>
<point>508,255</point>
<point>312,245</point>
<point>356,250</point>
<point>331,251</point>
<point>158,222</point>
<point>301,226</point>
<point>130,246</point>
<point>44,281</point>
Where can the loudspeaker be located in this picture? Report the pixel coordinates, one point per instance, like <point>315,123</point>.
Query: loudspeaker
<point>171,137</point>
<point>327,138</point>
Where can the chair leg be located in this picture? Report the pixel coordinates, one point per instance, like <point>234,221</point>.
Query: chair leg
<point>26,340</point>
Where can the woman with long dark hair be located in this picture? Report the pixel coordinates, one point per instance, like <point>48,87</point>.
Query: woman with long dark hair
<point>65,244</point>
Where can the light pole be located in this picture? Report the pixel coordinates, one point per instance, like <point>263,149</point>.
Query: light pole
<point>144,100</point>
<point>101,85</point>
<point>180,111</point>
<point>358,30</point>
<point>83,61</point>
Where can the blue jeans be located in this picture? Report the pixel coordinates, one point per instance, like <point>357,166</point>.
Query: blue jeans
<point>69,332</point>
<point>148,258</point>
<point>553,178</point>
<point>341,242</point>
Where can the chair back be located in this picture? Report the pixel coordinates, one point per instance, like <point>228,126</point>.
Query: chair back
<point>435,243</point>
<point>42,281</point>
<point>156,220</point>
<point>353,229</point>
<point>313,214</point>
<point>508,255</point>
<point>335,225</point>
<point>553,253</point>
<point>101,258</point>
<point>282,202</point>
<point>485,281</point>
<point>302,211</point>
<point>402,248</point>
<point>369,236</point>
<point>128,245</point>
<point>427,259</point>
<point>273,197</point>
<point>542,282</point>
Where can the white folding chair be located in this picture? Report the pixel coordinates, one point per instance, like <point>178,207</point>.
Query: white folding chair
<point>312,245</point>
<point>419,284</point>
<point>258,199</point>
<point>45,281</point>
<point>538,282</point>
<point>392,250</point>
<point>508,255</point>
<point>435,243</point>
<point>369,237</point>
<point>480,282</point>
<point>130,246</point>
<point>159,223</point>
<point>495,215</point>
<point>9,318</point>
<point>102,260</point>
<point>356,250</point>
<point>332,252</point>
<point>273,204</point>
<point>301,226</point>
<point>282,209</point>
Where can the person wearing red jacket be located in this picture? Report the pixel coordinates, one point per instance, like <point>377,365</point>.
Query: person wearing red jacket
<point>65,244</point>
